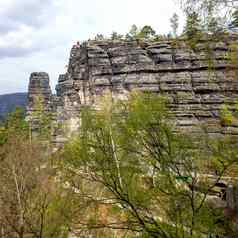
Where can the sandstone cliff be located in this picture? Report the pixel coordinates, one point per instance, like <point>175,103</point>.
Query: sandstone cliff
<point>39,89</point>
<point>196,83</point>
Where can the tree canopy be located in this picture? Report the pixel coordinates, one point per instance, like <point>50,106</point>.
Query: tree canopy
<point>147,179</point>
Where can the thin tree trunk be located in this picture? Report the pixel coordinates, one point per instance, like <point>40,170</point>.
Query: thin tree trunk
<point>21,217</point>
<point>116,159</point>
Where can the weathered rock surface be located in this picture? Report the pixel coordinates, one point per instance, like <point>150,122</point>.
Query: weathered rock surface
<point>40,98</point>
<point>39,90</point>
<point>196,84</point>
<point>232,197</point>
<point>195,90</point>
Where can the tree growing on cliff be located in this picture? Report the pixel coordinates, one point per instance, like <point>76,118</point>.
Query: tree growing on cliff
<point>147,33</point>
<point>193,29</point>
<point>214,14</point>
<point>116,36</point>
<point>40,120</point>
<point>174,22</point>
<point>133,33</point>
<point>99,37</point>
<point>132,172</point>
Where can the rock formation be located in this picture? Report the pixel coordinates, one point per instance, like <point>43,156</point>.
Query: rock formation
<point>40,98</point>
<point>197,84</point>
<point>39,89</point>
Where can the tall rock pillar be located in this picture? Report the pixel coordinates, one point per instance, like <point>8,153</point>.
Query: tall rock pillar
<point>39,90</point>
<point>40,99</point>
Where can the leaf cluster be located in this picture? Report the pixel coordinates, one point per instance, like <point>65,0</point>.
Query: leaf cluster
<point>129,154</point>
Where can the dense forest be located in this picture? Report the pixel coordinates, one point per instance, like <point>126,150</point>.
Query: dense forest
<point>129,172</point>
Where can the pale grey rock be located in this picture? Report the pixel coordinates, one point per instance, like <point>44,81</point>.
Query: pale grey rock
<point>39,89</point>
<point>195,92</point>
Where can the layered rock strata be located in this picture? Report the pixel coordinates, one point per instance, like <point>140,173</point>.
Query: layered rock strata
<point>39,91</point>
<point>40,99</point>
<point>196,83</point>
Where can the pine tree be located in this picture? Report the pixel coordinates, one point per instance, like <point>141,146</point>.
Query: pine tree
<point>116,36</point>
<point>193,26</point>
<point>174,21</point>
<point>193,30</point>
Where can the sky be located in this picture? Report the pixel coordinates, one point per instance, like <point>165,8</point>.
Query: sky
<point>37,35</point>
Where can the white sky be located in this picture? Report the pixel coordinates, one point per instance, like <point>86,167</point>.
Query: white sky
<point>36,35</point>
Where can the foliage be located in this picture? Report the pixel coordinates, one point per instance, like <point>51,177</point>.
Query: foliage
<point>3,136</point>
<point>9,102</point>
<point>207,8</point>
<point>41,120</point>
<point>116,36</point>
<point>147,179</point>
<point>193,29</point>
<point>215,15</point>
<point>146,33</point>
<point>31,201</point>
<point>174,21</point>
<point>234,20</point>
<point>14,125</point>
<point>99,37</point>
<point>132,34</point>
<point>202,33</point>
<point>226,116</point>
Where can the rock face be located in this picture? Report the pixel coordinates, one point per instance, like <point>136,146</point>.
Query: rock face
<point>39,90</point>
<point>197,84</point>
<point>232,197</point>
<point>40,99</point>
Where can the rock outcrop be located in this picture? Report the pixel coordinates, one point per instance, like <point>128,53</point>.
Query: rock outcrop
<point>39,90</point>
<point>197,84</point>
<point>40,98</point>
